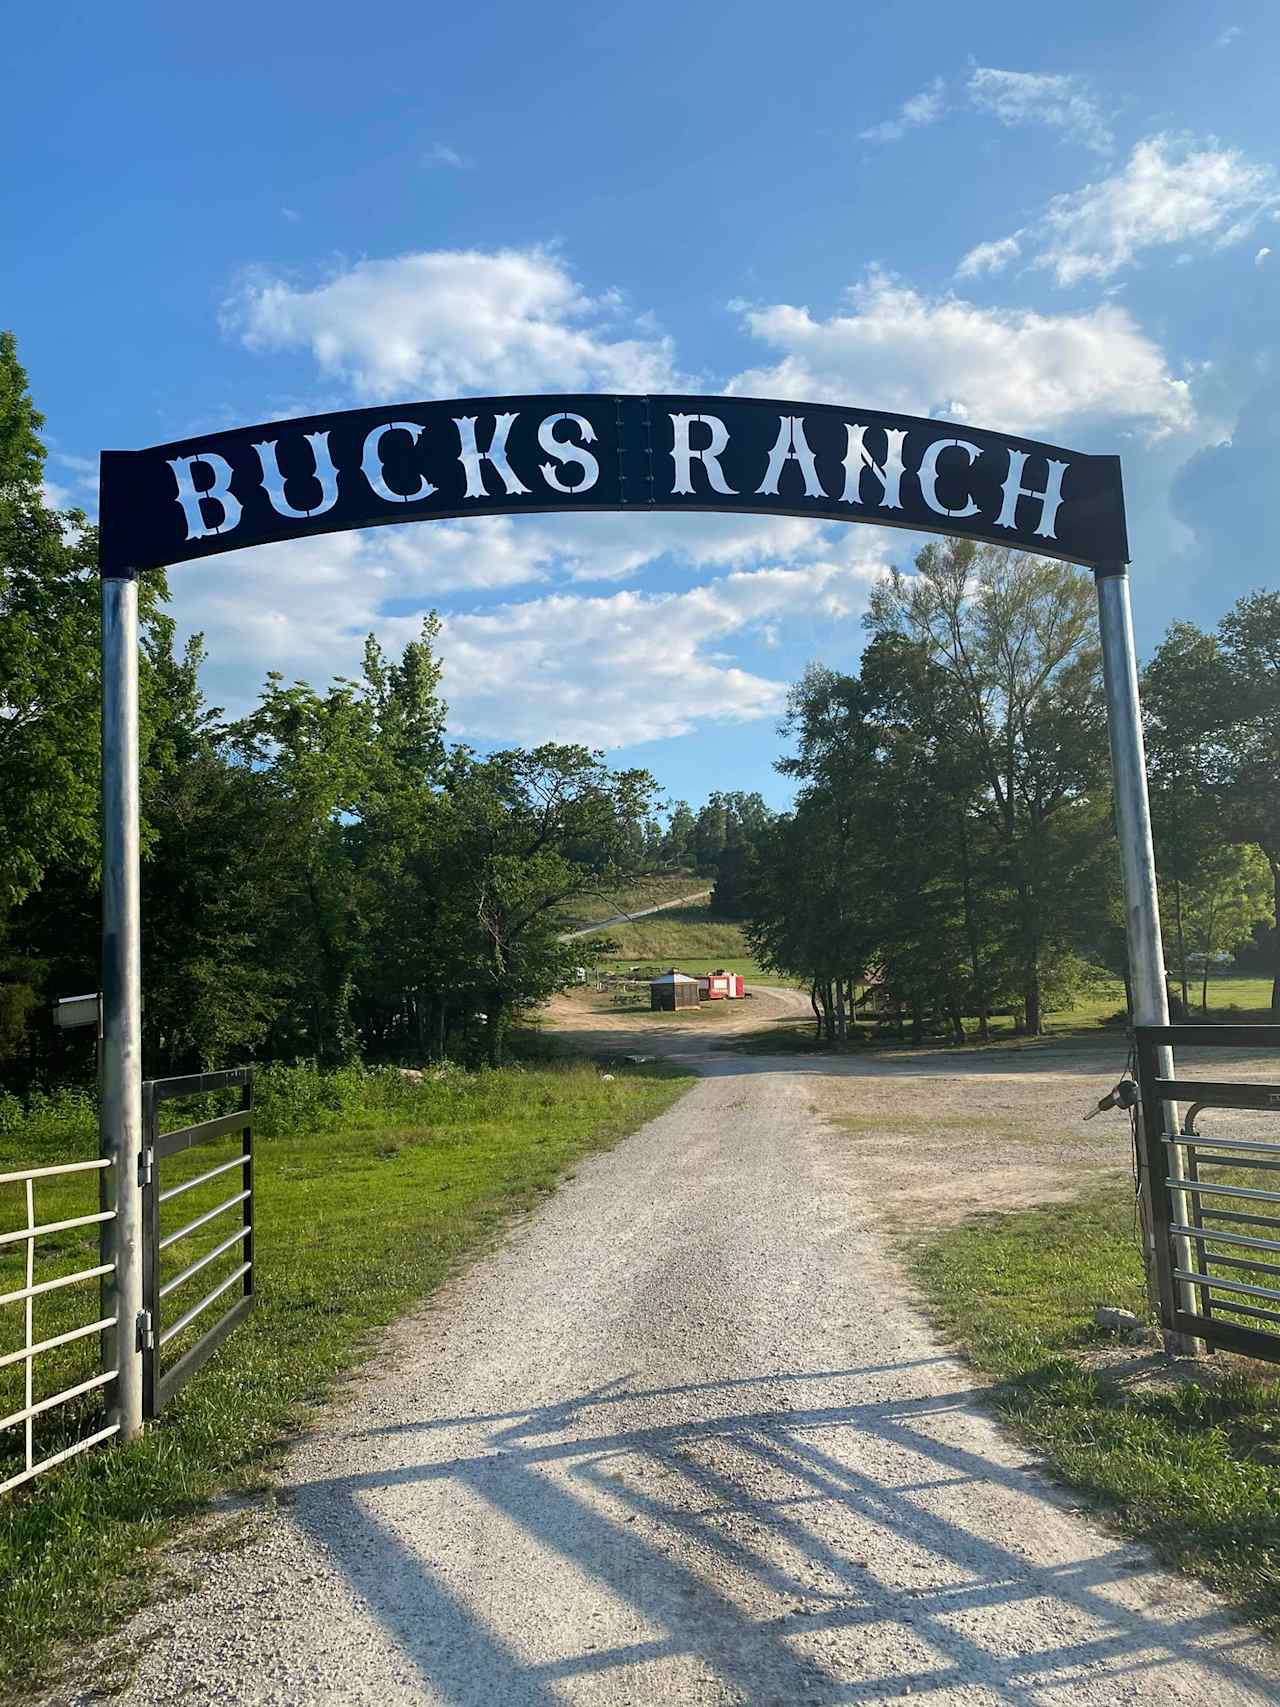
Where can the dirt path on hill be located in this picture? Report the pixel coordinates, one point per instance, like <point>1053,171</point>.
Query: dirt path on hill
<point>684,1439</point>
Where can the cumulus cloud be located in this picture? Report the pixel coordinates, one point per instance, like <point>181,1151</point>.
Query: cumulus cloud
<point>1169,191</point>
<point>896,348</point>
<point>453,322</point>
<point>991,257</point>
<point>925,108</point>
<point>1047,98</point>
<point>606,669</point>
<point>1261,256</point>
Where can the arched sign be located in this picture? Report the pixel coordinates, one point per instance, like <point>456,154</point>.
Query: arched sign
<point>502,455</point>
<point>364,468</point>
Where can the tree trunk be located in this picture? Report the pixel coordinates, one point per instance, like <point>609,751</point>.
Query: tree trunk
<point>1033,1018</point>
<point>817,1011</point>
<point>971,933</point>
<point>842,1031</point>
<point>1182,946</point>
<point>1275,981</point>
<point>494,1026</point>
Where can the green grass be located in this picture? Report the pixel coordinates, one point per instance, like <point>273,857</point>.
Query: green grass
<point>1191,1467</point>
<point>361,1212</point>
<point>632,895</point>
<point>1243,1000</point>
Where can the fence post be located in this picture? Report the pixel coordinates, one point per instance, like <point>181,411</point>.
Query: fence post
<point>121,1070</point>
<point>1138,863</point>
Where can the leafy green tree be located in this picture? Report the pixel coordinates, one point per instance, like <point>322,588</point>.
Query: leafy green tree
<point>1232,890</point>
<point>1014,636</point>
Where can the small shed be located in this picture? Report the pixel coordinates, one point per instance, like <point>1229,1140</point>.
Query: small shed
<point>671,990</point>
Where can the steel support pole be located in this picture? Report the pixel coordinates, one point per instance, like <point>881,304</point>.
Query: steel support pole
<point>1138,864</point>
<point>121,1074</point>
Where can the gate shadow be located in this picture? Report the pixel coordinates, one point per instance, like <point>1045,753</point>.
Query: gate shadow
<point>777,1610</point>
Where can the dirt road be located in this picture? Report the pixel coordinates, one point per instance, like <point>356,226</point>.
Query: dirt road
<point>684,1439</point>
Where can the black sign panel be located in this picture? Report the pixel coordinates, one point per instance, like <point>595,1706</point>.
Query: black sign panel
<point>500,455</point>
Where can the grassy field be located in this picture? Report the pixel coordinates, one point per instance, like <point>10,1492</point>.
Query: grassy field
<point>363,1208</point>
<point>1191,1467</point>
<point>632,896</point>
<point>1245,1000</point>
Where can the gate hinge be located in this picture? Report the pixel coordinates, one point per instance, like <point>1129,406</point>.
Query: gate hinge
<point>146,1165</point>
<point>146,1338</point>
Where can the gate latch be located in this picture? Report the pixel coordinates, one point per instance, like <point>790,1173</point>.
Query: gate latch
<point>1123,1095</point>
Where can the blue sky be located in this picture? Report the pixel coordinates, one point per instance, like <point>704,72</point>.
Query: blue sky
<point>1060,222</point>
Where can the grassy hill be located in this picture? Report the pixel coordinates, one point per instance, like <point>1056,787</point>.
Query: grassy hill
<point>632,896</point>
<point>685,937</point>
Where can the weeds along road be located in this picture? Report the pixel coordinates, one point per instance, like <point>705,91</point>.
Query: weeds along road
<point>682,1439</point>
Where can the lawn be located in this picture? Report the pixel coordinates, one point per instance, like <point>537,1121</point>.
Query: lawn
<point>362,1209</point>
<point>1243,1000</point>
<point>1190,1466</point>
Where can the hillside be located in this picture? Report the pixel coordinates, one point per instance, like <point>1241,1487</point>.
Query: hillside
<point>686,937</point>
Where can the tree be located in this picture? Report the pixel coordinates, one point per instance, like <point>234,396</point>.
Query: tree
<point>1014,636</point>
<point>1231,892</point>
<point>50,700</point>
<point>527,832</point>
<point>1249,783</point>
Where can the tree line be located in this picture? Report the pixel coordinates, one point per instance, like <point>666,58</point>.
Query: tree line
<point>326,877</point>
<point>952,839</point>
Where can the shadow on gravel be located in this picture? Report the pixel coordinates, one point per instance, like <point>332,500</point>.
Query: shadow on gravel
<point>753,1551</point>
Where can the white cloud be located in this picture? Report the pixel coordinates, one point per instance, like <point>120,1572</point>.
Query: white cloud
<point>1261,256</point>
<point>923,109</point>
<point>291,214</point>
<point>449,322</point>
<point>443,155</point>
<point>1053,99</point>
<point>634,666</point>
<point>1170,191</point>
<point>607,669</point>
<point>990,257</point>
<point>1229,35</point>
<point>894,348</point>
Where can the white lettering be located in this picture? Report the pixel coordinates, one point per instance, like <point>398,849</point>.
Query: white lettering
<point>1050,498</point>
<point>929,474</point>
<point>371,465</point>
<point>791,444</point>
<point>472,456</point>
<point>684,456</point>
<point>565,451</point>
<point>219,493</point>
<point>858,459</point>
<point>325,473</point>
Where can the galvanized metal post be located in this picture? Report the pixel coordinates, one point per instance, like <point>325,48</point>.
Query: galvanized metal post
<point>121,1075</point>
<point>1138,862</point>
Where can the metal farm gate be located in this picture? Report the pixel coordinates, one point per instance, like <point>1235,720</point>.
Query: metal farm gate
<point>1215,1197</point>
<point>231,1251</point>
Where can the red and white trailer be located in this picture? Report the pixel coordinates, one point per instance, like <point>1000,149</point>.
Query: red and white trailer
<point>720,986</point>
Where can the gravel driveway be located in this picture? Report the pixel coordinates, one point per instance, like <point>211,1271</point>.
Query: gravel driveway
<point>681,1439</point>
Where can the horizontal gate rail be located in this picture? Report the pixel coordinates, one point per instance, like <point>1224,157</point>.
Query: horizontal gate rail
<point>1203,1182</point>
<point>25,1415</point>
<point>161,1383</point>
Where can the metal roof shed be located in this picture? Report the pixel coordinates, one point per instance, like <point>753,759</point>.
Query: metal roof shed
<point>671,990</point>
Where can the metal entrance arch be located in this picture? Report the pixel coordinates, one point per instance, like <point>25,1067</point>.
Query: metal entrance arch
<point>503,455</point>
